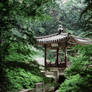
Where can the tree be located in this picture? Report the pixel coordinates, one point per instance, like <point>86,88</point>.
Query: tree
<point>16,18</point>
<point>78,75</point>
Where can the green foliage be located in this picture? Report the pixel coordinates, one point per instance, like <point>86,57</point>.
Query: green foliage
<point>88,34</point>
<point>20,20</point>
<point>77,67</point>
<point>19,70</point>
<point>51,55</point>
<point>20,52</point>
<point>79,74</point>
<point>20,75</point>
<point>67,14</point>
<point>86,50</point>
<point>16,18</point>
<point>77,83</point>
<point>20,78</point>
<point>17,67</point>
<point>70,14</point>
<point>88,9</point>
<point>87,16</point>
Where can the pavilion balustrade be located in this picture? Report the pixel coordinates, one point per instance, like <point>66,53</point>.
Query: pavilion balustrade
<point>57,62</point>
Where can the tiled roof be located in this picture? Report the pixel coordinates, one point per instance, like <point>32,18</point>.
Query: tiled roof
<point>84,41</point>
<point>55,38</point>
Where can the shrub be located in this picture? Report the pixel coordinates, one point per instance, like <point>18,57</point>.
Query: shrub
<point>19,70</point>
<point>79,74</point>
<point>77,83</point>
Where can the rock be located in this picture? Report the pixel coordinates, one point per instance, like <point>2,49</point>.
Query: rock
<point>57,91</point>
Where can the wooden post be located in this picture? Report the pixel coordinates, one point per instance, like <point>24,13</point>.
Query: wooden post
<point>45,55</point>
<point>66,43</point>
<point>57,57</point>
<point>65,57</point>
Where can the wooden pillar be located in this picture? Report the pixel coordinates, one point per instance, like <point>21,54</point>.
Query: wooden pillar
<point>65,58</point>
<point>66,44</point>
<point>45,50</point>
<point>57,56</point>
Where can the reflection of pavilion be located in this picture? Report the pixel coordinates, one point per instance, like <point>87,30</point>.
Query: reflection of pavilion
<point>58,42</point>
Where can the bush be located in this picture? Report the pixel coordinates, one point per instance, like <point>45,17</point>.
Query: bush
<point>20,78</point>
<point>79,74</point>
<point>77,83</point>
<point>78,66</point>
<point>19,70</point>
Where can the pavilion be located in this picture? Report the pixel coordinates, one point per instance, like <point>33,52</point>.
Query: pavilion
<point>60,41</point>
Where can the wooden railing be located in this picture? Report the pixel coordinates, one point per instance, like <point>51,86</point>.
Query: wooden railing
<point>60,64</point>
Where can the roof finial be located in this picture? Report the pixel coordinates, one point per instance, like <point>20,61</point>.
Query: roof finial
<point>61,29</point>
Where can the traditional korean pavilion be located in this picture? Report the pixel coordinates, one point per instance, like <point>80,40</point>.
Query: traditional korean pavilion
<point>60,41</point>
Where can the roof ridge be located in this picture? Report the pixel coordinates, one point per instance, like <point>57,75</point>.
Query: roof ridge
<point>47,36</point>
